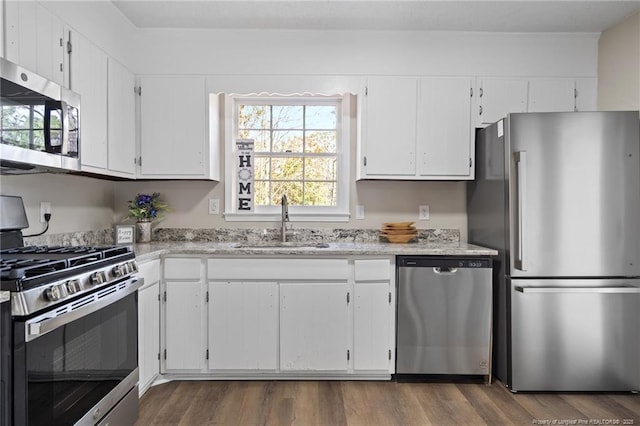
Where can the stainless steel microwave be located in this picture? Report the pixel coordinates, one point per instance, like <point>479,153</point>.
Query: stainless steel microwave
<point>39,123</point>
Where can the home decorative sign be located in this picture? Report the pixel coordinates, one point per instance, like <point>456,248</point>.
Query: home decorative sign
<point>245,188</point>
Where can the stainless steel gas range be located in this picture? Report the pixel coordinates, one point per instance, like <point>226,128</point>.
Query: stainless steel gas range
<point>70,350</point>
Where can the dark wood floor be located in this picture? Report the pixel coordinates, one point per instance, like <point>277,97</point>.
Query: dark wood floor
<point>375,403</point>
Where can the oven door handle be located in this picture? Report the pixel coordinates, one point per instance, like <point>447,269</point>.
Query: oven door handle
<point>43,324</point>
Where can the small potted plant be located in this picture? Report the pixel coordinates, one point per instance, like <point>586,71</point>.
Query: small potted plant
<point>144,209</point>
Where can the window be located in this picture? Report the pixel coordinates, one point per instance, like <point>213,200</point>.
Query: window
<point>300,150</point>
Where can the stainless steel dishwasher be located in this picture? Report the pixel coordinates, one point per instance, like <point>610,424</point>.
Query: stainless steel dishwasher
<point>444,316</point>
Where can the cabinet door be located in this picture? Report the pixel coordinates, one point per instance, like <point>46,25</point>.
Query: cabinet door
<point>551,95</point>
<point>388,140</point>
<point>148,334</point>
<point>183,326</point>
<point>173,126</point>
<point>444,128</point>
<point>499,97</point>
<point>372,323</point>
<point>89,79</point>
<point>313,327</point>
<point>121,125</point>
<point>34,39</point>
<point>243,326</point>
<point>586,94</point>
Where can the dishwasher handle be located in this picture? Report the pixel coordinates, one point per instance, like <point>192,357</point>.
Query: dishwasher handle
<point>444,270</point>
<point>538,290</point>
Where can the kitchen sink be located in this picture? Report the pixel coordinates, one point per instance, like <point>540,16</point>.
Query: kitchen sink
<point>279,244</point>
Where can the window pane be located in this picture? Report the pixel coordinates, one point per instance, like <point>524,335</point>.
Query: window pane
<point>287,117</point>
<point>261,194</point>
<point>293,191</point>
<point>320,142</point>
<point>323,168</point>
<point>287,141</point>
<point>320,117</point>
<point>261,168</point>
<point>320,194</point>
<point>261,139</point>
<point>253,116</point>
<point>287,168</point>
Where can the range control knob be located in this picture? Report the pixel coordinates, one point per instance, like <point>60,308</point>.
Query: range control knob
<point>133,266</point>
<point>119,270</point>
<point>73,286</point>
<point>55,292</point>
<point>98,278</point>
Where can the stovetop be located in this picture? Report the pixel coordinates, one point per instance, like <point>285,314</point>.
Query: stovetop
<point>22,268</point>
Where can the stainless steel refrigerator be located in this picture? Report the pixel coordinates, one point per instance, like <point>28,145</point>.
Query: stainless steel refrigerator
<point>558,195</point>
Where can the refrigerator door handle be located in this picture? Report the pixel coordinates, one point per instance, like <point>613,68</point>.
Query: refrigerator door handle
<point>521,176</point>
<point>539,290</point>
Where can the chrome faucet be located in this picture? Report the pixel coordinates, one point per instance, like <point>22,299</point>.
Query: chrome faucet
<point>284,218</point>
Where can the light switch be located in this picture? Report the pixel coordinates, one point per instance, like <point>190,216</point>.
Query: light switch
<point>214,206</point>
<point>359,212</point>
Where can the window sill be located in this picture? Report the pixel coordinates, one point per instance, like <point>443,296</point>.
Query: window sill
<point>298,217</point>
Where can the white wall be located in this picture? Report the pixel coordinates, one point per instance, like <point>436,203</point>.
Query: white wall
<point>363,53</point>
<point>291,61</point>
<point>619,66</point>
<point>78,203</point>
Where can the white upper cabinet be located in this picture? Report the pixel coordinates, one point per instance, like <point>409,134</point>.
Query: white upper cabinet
<point>499,97</point>
<point>586,94</point>
<point>389,127</point>
<point>89,79</point>
<point>34,39</point>
<point>121,121</point>
<point>416,129</point>
<point>174,142</point>
<point>445,134</point>
<point>552,95</point>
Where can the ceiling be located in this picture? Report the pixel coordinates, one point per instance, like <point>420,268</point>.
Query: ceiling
<point>450,15</point>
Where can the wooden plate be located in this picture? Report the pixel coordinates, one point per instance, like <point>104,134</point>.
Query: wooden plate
<point>397,224</point>
<point>400,231</point>
<point>399,238</point>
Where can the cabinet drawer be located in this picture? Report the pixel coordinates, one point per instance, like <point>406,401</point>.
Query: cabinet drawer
<point>150,271</point>
<point>278,269</point>
<point>372,269</point>
<point>182,268</point>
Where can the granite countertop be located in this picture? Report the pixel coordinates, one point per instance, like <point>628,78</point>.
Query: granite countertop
<point>145,252</point>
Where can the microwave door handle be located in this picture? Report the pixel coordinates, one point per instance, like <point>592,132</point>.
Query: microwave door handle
<point>47,127</point>
<point>64,109</point>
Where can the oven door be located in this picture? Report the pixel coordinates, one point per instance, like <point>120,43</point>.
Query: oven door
<point>73,364</point>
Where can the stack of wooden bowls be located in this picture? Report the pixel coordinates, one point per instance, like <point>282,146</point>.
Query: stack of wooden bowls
<point>399,232</point>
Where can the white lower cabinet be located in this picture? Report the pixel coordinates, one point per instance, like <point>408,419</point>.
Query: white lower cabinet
<point>372,349</point>
<point>183,326</point>
<point>278,317</point>
<point>243,326</point>
<point>374,315</point>
<point>149,324</point>
<point>313,327</point>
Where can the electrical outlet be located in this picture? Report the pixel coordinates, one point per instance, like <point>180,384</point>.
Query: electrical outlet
<point>423,212</point>
<point>359,212</point>
<point>214,206</point>
<point>45,207</point>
